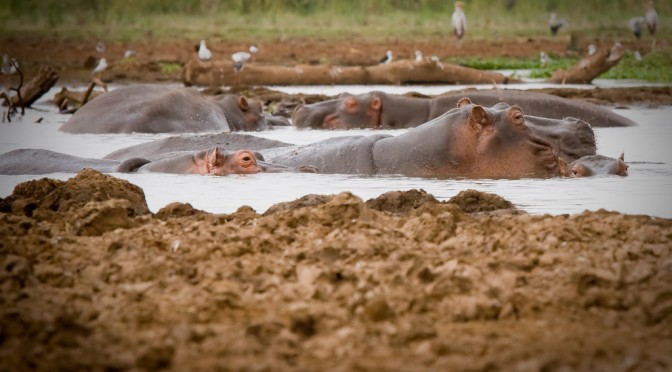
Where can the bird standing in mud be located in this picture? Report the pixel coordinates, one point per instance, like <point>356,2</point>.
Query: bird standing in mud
<point>9,68</point>
<point>459,22</point>
<point>418,56</point>
<point>555,24</point>
<point>204,53</point>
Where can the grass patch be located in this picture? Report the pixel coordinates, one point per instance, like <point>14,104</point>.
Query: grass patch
<point>169,68</point>
<point>654,67</point>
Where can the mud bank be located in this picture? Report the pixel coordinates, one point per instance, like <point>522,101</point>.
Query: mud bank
<point>89,278</point>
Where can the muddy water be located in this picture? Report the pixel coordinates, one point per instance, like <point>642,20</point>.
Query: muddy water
<point>648,189</point>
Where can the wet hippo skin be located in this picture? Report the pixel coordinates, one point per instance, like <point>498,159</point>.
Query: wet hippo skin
<point>381,110</point>
<point>159,109</point>
<point>467,141</point>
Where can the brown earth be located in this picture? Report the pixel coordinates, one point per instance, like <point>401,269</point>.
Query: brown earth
<point>89,279</point>
<point>162,61</point>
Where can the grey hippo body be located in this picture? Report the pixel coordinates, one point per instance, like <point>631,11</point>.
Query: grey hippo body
<point>156,149</point>
<point>160,109</point>
<point>213,161</point>
<point>467,141</point>
<point>381,110</point>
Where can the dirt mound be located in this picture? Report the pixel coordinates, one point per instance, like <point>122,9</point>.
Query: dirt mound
<point>472,201</point>
<point>331,281</point>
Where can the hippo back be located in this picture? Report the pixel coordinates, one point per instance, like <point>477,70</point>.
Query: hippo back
<point>538,104</point>
<point>148,109</point>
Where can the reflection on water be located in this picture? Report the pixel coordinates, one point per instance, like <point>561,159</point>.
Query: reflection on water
<point>648,189</point>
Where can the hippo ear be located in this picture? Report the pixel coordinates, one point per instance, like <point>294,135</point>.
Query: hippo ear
<point>213,158</point>
<point>622,157</point>
<point>376,104</point>
<point>243,104</point>
<point>350,104</point>
<point>479,117</point>
<point>464,101</point>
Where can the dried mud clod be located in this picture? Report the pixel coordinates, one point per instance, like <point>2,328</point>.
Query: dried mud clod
<point>472,201</point>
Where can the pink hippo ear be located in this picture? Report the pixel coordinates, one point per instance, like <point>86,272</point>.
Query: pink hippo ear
<point>376,104</point>
<point>213,158</point>
<point>464,101</point>
<point>243,104</point>
<point>479,118</point>
<point>350,104</point>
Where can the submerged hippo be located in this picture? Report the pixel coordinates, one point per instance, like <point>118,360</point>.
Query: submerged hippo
<point>593,165</point>
<point>161,109</point>
<point>156,149</point>
<point>382,110</point>
<point>212,162</point>
<point>468,141</point>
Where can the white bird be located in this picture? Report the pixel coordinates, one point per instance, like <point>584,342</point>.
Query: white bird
<point>418,55</point>
<point>544,58</point>
<point>387,58</point>
<point>100,47</point>
<point>556,24</point>
<point>651,18</point>
<point>459,22</point>
<point>8,67</point>
<point>635,24</point>
<point>129,53</point>
<point>241,58</point>
<point>204,53</point>
<point>100,67</point>
<point>592,49</point>
<point>638,56</point>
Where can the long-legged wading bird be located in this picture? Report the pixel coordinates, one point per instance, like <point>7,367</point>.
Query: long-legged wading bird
<point>204,53</point>
<point>459,22</point>
<point>651,18</point>
<point>635,25</point>
<point>555,24</point>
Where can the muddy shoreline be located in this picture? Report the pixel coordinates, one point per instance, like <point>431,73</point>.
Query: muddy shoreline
<point>91,280</point>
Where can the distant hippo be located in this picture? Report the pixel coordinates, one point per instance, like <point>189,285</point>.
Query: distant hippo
<point>381,110</point>
<point>593,165</point>
<point>161,109</point>
<point>468,141</point>
<point>212,162</point>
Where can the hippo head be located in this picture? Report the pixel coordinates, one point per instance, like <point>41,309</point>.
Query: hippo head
<point>592,165</point>
<point>218,163</point>
<point>347,111</point>
<point>496,142</point>
<point>243,114</point>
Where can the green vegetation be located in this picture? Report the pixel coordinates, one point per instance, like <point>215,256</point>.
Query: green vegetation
<point>126,20</point>
<point>656,66</point>
<point>169,68</point>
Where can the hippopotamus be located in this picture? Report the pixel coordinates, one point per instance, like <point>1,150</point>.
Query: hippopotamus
<point>467,141</point>
<point>161,109</point>
<point>213,161</point>
<point>592,165</point>
<point>156,149</point>
<point>381,110</point>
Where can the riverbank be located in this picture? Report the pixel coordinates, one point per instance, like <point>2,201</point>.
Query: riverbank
<point>90,279</point>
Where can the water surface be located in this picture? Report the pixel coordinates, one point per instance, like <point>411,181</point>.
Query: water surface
<point>648,189</point>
